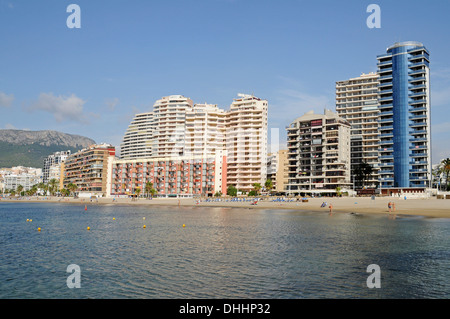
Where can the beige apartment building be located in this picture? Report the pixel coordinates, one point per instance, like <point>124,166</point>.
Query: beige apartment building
<point>318,154</point>
<point>357,102</point>
<point>88,169</point>
<point>277,170</point>
<point>246,142</point>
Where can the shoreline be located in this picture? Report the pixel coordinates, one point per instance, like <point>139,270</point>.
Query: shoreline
<point>427,207</point>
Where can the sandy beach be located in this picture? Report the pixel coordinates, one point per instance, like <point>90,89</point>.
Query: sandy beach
<point>431,207</point>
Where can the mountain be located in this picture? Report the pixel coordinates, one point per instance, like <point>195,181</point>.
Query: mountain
<point>29,148</point>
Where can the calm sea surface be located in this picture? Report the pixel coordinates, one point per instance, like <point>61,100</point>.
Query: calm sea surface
<point>221,253</point>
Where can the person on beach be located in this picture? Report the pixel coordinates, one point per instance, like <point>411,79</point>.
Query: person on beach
<point>331,209</point>
<point>389,206</point>
<point>393,206</point>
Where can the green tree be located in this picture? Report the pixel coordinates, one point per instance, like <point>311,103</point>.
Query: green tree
<point>137,190</point>
<point>65,192</point>
<point>218,194</point>
<point>256,187</point>
<point>53,186</point>
<point>19,189</point>
<point>231,191</point>
<point>148,188</point>
<point>362,172</point>
<point>445,169</point>
<point>72,188</point>
<point>269,185</point>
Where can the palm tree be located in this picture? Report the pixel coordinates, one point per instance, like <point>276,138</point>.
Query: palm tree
<point>256,187</point>
<point>64,191</point>
<point>52,186</point>
<point>137,191</point>
<point>72,188</point>
<point>444,169</point>
<point>269,185</point>
<point>19,189</point>
<point>148,187</point>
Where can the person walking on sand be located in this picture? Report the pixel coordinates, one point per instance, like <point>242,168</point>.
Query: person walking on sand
<point>331,209</point>
<point>389,206</point>
<point>393,206</point>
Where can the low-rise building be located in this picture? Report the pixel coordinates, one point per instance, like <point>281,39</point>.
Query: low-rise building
<point>170,176</point>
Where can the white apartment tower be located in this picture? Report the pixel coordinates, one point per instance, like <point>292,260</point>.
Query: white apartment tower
<point>159,133</point>
<point>170,125</point>
<point>246,142</point>
<point>205,130</point>
<point>176,127</point>
<point>357,102</point>
<point>139,139</point>
<point>52,163</point>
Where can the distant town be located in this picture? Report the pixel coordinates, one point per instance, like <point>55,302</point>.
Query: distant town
<point>377,141</point>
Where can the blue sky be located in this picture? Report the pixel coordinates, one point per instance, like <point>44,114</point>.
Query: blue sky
<point>127,54</point>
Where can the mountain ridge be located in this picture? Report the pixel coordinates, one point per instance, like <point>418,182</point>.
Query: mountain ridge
<point>29,148</point>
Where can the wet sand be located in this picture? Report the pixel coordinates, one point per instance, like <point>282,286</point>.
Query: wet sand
<point>431,207</point>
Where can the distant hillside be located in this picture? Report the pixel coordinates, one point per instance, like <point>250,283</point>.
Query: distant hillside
<point>29,148</point>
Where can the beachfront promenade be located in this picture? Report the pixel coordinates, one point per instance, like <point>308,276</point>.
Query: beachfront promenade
<point>428,207</point>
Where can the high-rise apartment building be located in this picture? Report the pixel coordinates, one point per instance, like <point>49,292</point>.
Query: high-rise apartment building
<point>88,169</point>
<point>404,104</point>
<point>357,102</point>
<point>159,133</point>
<point>205,130</point>
<point>52,164</point>
<point>176,127</point>
<point>170,125</point>
<point>318,154</point>
<point>138,140</point>
<point>246,142</point>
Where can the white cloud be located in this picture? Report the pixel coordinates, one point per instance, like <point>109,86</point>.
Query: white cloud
<point>6,100</point>
<point>63,108</point>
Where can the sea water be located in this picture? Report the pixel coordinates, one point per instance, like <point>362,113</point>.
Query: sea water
<point>219,253</point>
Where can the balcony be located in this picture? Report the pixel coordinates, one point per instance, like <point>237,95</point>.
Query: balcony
<point>421,71</point>
<point>385,70</point>
<point>421,101</point>
<point>418,117</point>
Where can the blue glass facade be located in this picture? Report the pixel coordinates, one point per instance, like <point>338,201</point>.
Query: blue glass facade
<point>404,116</point>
